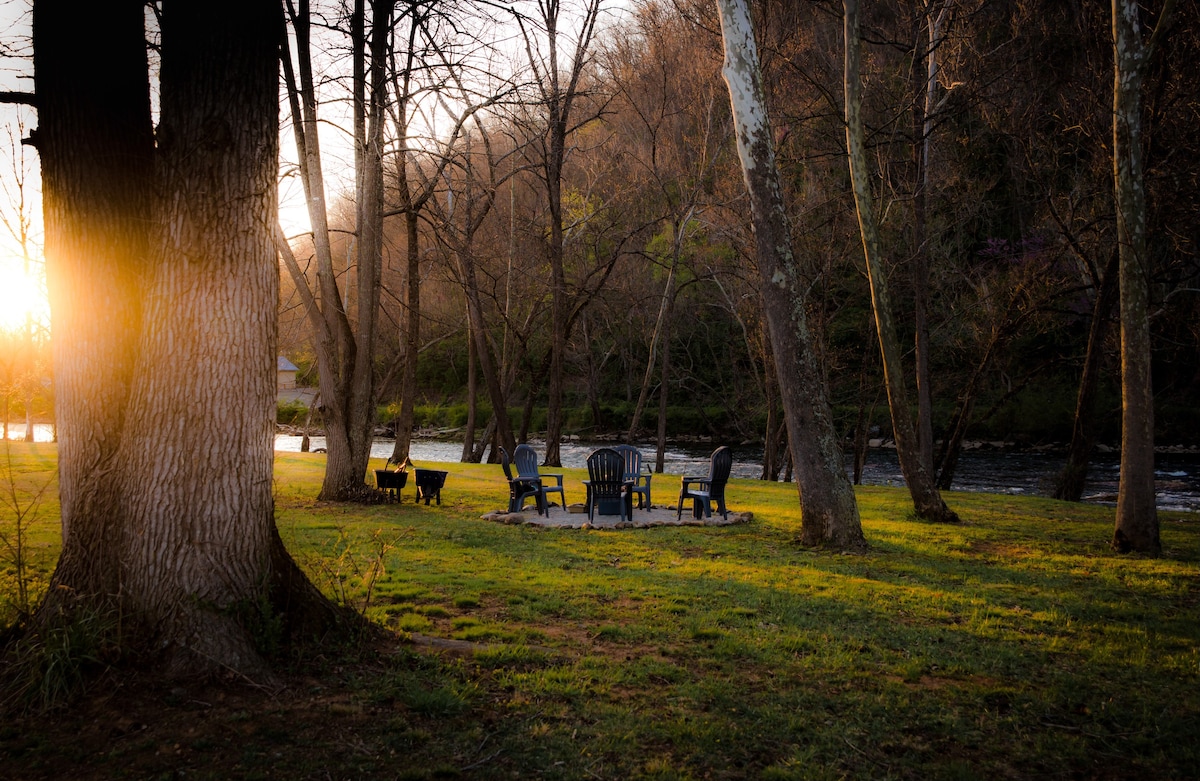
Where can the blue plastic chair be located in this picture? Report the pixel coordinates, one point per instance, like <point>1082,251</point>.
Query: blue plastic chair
<point>633,472</point>
<point>520,489</point>
<point>708,488</point>
<point>526,460</point>
<point>607,483</point>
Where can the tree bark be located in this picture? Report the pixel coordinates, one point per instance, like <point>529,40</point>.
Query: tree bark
<point>924,111</point>
<point>173,521</point>
<point>347,435</point>
<point>829,512</point>
<point>96,144</point>
<point>927,502</point>
<point>1137,513</point>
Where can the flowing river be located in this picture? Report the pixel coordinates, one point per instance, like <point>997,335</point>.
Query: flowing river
<point>1019,472</point>
<point>987,470</point>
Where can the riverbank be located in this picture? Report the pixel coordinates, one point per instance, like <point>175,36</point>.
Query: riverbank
<point>991,467</point>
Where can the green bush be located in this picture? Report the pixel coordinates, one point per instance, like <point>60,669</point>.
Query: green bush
<point>290,413</point>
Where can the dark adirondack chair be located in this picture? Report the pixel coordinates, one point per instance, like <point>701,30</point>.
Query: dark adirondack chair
<point>634,474</point>
<point>606,484</point>
<point>709,488</point>
<point>520,489</point>
<point>526,460</point>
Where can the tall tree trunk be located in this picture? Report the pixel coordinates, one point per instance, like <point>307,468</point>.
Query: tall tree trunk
<point>96,144</point>
<point>558,308</point>
<point>347,434</point>
<point>1137,512</point>
<point>176,526</point>
<point>483,353</point>
<point>559,87</point>
<point>660,444</point>
<point>829,513</point>
<point>924,111</point>
<point>927,502</point>
<point>369,246</point>
<point>411,333</point>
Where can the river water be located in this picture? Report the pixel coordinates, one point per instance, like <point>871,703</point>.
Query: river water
<point>1019,472</point>
<point>987,470</point>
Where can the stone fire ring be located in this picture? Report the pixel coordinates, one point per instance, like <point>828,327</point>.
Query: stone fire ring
<point>575,517</point>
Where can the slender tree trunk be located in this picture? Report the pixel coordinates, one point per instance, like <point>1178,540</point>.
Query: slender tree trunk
<point>927,502</point>
<point>829,512</point>
<point>1073,478</point>
<point>1137,512</point>
<point>935,20</point>
<point>472,400</point>
<point>558,316</point>
<point>369,244</point>
<point>559,88</point>
<point>483,350</point>
<point>412,326</point>
<point>660,449</point>
<point>665,300</point>
<point>347,433</point>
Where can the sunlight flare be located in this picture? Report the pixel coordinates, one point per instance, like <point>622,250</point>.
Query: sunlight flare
<point>22,294</point>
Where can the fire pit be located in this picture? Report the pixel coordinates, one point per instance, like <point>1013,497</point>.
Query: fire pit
<point>429,484</point>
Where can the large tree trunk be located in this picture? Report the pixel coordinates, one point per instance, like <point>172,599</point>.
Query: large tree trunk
<point>927,502</point>
<point>174,523</point>
<point>1137,512</point>
<point>829,512</point>
<point>96,144</point>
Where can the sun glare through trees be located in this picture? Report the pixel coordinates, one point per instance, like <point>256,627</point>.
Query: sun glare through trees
<point>22,295</point>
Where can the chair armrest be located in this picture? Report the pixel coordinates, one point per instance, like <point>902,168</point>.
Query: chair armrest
<point>559,478</point>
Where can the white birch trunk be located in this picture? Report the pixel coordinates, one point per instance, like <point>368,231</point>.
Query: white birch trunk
<point>829,510</point>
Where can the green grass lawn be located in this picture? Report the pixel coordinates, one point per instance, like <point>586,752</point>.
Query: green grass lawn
<point>1015,645</point>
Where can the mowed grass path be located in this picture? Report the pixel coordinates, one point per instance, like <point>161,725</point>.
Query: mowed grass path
<point>1016,645</point>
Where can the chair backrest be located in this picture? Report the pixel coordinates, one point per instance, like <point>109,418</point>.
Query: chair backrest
<point>504,463</point>
<point>606,472</point>
<point>633,460</point>
<point>525,459</point>
<point>720,465</point>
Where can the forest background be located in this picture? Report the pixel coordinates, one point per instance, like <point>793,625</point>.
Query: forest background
<point>995,193</point>
<point>989,130</point>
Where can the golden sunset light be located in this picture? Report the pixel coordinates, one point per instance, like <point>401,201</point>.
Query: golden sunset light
<point>22,294</point>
